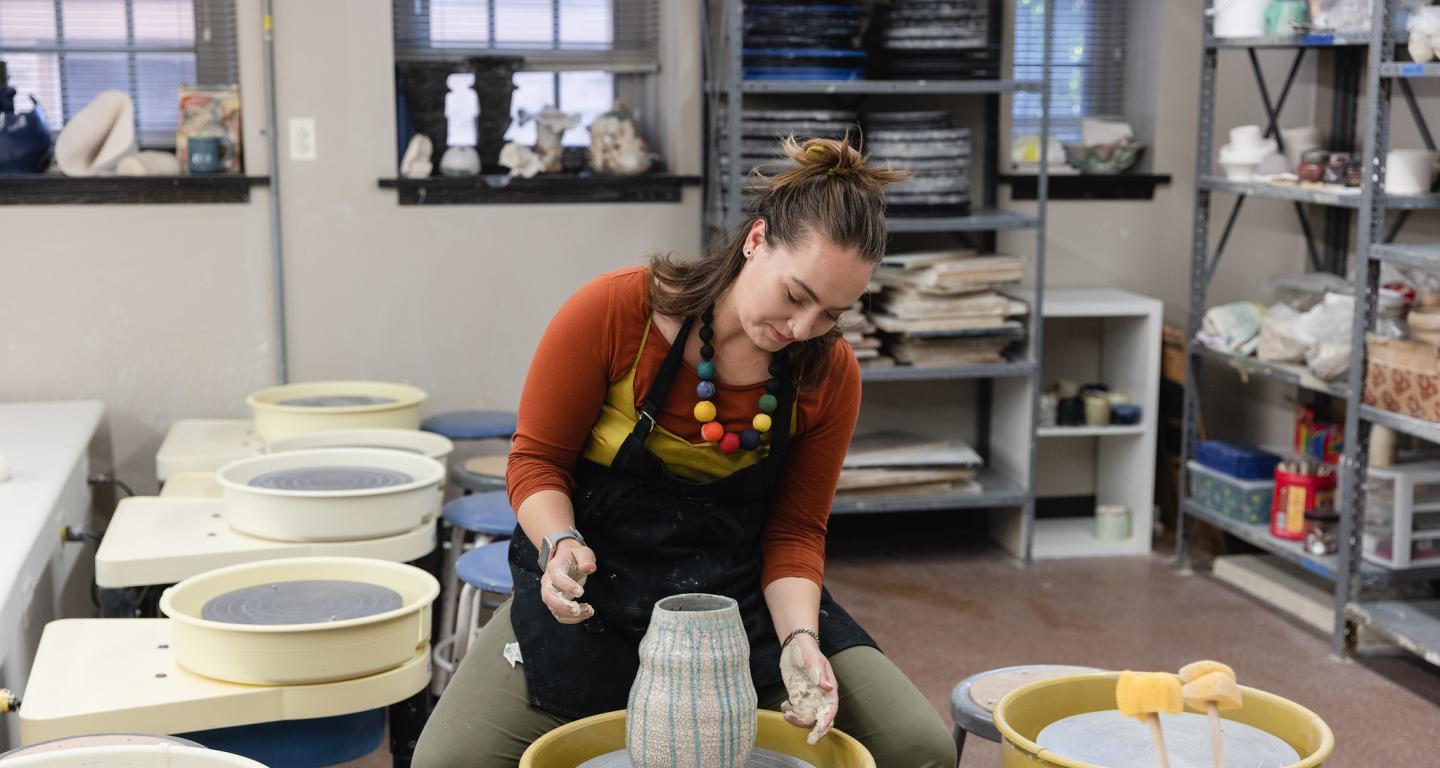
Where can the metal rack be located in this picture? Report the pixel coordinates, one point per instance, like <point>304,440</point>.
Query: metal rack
<point>727,91</point>
<point>1357,585</point>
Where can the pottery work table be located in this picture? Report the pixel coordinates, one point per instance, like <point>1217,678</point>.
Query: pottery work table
<point>157,540</point>
<point>131,682</point>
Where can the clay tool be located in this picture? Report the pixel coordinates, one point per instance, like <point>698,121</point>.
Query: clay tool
<point>1211,686</point>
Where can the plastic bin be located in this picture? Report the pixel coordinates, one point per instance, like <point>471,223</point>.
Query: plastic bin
<point>1244,462</point>
<point>1402,516</point>
<point>1247,501</point>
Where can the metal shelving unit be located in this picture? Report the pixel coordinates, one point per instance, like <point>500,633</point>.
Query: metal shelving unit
<point>1414,625</point>
<point>1010,485</point>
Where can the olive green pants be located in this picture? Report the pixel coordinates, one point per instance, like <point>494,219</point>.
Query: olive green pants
<point>485,720</point>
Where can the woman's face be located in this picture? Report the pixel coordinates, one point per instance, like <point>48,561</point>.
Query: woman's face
<point>787,294</point>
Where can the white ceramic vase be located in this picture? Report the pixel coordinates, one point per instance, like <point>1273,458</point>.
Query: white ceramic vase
<point>692,704</point>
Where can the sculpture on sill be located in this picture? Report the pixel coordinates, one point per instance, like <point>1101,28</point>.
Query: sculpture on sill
<point>550,127</point>
<point>98,137</point>
<point>417,163</point>
<point>521,160</point>
<point>24,136</point>
<point>460,161</point>
<point>616,145</point>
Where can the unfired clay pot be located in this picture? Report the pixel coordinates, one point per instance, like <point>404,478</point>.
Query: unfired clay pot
<point>692,703</point>
<point>1424,324</point>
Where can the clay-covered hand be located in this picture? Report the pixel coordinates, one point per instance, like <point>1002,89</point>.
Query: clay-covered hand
<point>564,582</point>
<point>814,694</point>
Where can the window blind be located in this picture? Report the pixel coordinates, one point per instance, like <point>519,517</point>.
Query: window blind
<point>1087,64</point>
<point>552,35</point>
<point>65,52</point>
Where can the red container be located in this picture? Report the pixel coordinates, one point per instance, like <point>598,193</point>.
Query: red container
<point>1296,494</point>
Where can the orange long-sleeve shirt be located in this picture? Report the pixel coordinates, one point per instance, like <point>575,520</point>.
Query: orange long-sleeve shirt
<point>591,344</point>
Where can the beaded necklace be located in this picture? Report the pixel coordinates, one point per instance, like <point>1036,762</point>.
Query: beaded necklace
<point>705,412</point>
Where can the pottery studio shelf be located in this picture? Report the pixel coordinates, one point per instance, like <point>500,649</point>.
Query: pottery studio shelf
<point>1314,196</point>
<point>1298,375</point>
<point>983,220</point>
<point>49,189</point>
<point>1322,40</point>
<point>1409,69</point>
<point>995,490</point>
<point>1413,625</point>
<point>880,87</point>
<point>1005,370</point>
<point>1425,430</point>
<point>1422,256</point>
<point>1324,566</point>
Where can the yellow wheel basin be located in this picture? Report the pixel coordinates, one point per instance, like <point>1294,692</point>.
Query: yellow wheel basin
<point>574,743</point>
<point>1026,711</point>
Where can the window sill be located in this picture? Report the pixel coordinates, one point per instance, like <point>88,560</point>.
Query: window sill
<point>1090,186</point>
<point>545,188</point>
<point>49,189</point>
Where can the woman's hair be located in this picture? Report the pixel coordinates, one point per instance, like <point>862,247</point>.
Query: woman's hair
<point>828,190</point>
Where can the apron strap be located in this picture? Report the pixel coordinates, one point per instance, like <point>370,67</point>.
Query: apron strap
<point>780,429</point>
<point>660,387</point>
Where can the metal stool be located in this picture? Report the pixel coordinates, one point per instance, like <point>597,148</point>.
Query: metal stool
<point>485,571</point>
<point>488,517</point>
<point>973,701</point>
<point>479,474</point>
<point>472,425</point>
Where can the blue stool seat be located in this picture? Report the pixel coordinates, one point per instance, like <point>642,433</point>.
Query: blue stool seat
<point>471,425</point>
<point>487,568</point>
<point>488,513</point>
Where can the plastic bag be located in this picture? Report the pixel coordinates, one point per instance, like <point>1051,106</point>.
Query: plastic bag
<point>1329,360</point>
<point>1281,340</point>
<point>1329,324</point>
<point>1232,328</point>
<point>1303,291</point>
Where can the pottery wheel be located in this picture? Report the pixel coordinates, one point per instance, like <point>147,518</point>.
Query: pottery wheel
<point>329,479</point>
<point>312,601</point>
<point>337,401</point>
<point>1110,739</point>
<point>759,758</point>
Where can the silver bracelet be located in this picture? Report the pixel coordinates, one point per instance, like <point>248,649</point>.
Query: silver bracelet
<point>800,631</point>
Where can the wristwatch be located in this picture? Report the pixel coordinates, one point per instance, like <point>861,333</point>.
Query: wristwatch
<point>548,544</point>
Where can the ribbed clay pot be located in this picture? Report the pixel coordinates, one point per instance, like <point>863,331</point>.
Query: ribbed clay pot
<point>692,704</point>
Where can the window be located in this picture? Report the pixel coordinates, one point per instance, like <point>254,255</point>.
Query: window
<point>580,55</point>
<point>65,52</point>
<point>1087,64</point>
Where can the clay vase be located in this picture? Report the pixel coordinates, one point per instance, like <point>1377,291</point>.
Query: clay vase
<point>692,704</point>
<point>425,84</point>
<point>494,85</point>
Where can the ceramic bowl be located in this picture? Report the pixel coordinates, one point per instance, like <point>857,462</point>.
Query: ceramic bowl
<point>1103,158</point>
<point>1236,170</point>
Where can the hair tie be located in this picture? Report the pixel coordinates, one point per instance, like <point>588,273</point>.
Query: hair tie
<point>815,149</point>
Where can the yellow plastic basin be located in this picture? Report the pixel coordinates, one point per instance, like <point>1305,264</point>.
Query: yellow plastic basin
<point>574,743</point>
<point>1026,711</point>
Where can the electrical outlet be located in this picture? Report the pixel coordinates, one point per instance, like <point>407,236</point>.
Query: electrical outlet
<point>302,138</point>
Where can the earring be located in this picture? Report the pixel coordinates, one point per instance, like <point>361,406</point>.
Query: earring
<point>747,251</point>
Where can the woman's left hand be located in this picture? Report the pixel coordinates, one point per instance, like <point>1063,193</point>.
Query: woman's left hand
<point>814,693</point>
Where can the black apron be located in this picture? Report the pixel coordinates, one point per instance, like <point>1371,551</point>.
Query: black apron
<point>656,535</point>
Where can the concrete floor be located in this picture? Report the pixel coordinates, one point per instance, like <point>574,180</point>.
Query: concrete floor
<point>943,604</point>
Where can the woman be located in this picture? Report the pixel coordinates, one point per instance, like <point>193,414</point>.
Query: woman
<point>682,429</point>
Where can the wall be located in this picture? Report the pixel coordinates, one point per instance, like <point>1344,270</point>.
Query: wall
<point>166,312</point>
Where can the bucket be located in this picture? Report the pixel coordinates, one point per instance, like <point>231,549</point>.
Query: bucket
<point>1026,711</point>
<point>574,743</point>
<point>1240,18</point>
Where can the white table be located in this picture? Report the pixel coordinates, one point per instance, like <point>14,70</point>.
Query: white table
<point>47,444</point>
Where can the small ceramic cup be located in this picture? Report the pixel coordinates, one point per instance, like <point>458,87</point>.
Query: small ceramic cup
<point>1112,522</point>
<point>1312,165</point>
<point>1049,410</point>
<point>206,154</point>
<point>1097,409</point>
<point>1070,412</point>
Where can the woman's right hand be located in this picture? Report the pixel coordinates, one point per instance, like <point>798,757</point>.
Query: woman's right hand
<point>564,582</point>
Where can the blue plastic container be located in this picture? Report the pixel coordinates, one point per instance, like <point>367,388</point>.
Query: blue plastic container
<point>1245,462</point>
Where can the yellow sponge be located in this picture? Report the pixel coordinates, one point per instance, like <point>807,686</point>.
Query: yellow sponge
<point>1194,671</point>
<point>1141,694</point>
<point>1215,688</point>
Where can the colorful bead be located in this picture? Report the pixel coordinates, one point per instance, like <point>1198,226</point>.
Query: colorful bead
<point>772,386</point>
<point>761,422</point>
<point>707,351</point>
<point>706,333</point>
<point>749,439</point>
<point>768,403</point>
<point>706,370</point>
<point>704,411</point>
<point>712,431</point>
<point>705,390</point>
<point>730,443</point>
